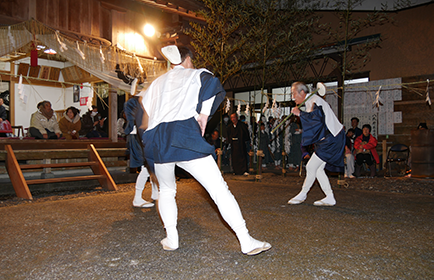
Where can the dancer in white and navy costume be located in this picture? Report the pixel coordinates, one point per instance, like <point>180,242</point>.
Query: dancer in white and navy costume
<point>322,128</point>
<point>134,115</point>
<point>178,105</point>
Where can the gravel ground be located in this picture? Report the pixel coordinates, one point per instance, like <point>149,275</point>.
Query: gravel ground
<point>403,185</point>
<point>379,229</point>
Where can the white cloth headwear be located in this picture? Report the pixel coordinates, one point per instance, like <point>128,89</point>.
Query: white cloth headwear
<point>172,54</point>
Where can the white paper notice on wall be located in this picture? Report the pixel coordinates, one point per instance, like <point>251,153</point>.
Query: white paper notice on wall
<point>397,117</point>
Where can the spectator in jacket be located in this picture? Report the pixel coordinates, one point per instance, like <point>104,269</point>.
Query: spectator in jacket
<point>70,123</point>
<point>365,148</point>
<point>92,124</point>
<point>43,123</point>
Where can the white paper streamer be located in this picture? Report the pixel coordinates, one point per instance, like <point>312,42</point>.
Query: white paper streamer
<point>228,105</point>
<point>265,107</point>
<point>134,87</point>
<point>247,112</point>
<point>274,107</point>
<point>11,37</point>
<point>428,99</point>
<point>378,101</point>
<point>20,89</point>
<point>89,101</point>
<point>239,109</point>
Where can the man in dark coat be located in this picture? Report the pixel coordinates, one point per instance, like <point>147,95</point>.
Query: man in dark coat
<point>238,136</point>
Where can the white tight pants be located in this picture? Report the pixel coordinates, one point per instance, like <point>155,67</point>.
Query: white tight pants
<point>349,166</point>
<point>207,173</point>
<point>315,170</point>
<point>140,185</point>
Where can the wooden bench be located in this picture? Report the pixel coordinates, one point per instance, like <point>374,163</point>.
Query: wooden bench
<point>21,185</point>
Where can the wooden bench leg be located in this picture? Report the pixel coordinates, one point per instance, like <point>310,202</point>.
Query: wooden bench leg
<point>100,169</point>
<point>16,175</point>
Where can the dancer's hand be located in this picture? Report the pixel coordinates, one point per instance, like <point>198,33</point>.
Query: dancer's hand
<point>295,111</point>
<point>202,120</point>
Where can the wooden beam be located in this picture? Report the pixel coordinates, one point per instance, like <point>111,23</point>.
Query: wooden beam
<point>18,182</point>
<point>64,179</point>
<point>106,182</point>
<point>58,165</point>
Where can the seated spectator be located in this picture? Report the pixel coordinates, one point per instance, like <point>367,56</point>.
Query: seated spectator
<point>92,124</point>
<point>43,123</point>
<point>5,126</point>
<point>215,139</point>
<point>364,147</point>
<point>121,124</point>
<point>3,114</point>
<point>70,123</point>
<point>349,156</point>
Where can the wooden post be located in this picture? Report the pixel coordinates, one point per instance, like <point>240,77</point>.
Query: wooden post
<point>252,156</point>
<point>219,158</point>
<point>113,115</point>
<point>260,154</point>
<point>12,97</point>
<point>384,154</point>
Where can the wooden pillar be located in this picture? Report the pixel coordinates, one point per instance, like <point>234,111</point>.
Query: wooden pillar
<point>340,95</point>
<point>113,115</point>
<point>12,96</point>
<point>384,157</point>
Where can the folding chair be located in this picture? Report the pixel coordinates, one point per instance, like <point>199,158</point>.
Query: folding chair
<point>397,153</point>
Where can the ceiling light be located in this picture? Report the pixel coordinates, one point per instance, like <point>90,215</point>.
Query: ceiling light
<point>50,51</point>
<point>149,30</point>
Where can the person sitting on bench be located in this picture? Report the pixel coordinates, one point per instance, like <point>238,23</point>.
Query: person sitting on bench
<point>92,124</point>
<point>70,123</point>
<point>43,123</point>
<point>365,145</point>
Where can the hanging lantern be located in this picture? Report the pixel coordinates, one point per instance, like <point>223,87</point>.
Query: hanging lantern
<point>34,57</point>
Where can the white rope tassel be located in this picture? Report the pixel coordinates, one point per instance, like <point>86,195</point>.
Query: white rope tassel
<point>62,45</point>
<point>428,99</point>
<point>101,55</point>
<point>79,51</point>
<point>11,37</point>
<point>138,62</point>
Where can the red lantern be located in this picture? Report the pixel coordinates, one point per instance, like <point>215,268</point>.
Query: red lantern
<point>34,57</point>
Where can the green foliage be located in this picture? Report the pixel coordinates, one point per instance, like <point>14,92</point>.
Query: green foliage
<point>219,43</point>
<point>242,36</point>
<point>280,37</point>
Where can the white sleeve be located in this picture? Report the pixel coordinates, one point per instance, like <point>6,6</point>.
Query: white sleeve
<point>206,106</point>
